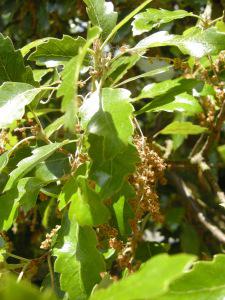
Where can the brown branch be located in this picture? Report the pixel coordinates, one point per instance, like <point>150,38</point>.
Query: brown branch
<point>188,195</point>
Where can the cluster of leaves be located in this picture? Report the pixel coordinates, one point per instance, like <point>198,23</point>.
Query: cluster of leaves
<point>80,182</point>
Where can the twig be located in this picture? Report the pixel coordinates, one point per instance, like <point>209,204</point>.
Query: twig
<point>187,194</point>
<point>51,272</point>
<point>215,135</point>
<point>22,273</point>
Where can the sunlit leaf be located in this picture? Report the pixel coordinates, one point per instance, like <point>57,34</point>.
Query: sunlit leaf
<point>152,18</point>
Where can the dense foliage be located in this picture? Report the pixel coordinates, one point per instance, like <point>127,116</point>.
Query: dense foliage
<point>112,150</point>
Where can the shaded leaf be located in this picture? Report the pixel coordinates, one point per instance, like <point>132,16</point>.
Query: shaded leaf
<point>111,174</point>
<point>25,195</point>
<point>108,118</point>
<point>12,66</point>
<point>28,190</point>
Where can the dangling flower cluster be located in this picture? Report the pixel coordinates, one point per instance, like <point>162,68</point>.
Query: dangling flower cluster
<point>149,172</point>
<point>207,118</point>
<point>46,244</point>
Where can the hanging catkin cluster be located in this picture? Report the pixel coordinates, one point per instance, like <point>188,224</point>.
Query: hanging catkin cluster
<point>150,172</point>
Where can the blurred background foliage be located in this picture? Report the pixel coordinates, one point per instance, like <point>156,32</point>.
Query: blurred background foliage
<point>28,20</point>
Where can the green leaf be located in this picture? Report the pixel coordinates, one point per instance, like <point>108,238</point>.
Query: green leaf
<point>87,206</point>
<point>68,192</point>
<point>25,195</point>
<point>120,67</point>
<point>206,280</point>
<point>151,281</point>
<point>27,48</point>
<point>54,126</point>
<point>123,211</point>
<point>4,158</point>
<point>110,174</point>
<point>78,260</point>
<point>190,240</point>
<point>168,93</point>
<point>9,203</point>
<point>108,118</point>
<point>183,128</point>
<point>152,18</point>
<point>53,168</point>
<point>194,42</point>
<point>70,76</point>
<point>102,14</point>
<point>153,90</point>
<point>12,66</point>
<point>28,189</point>
<point>52,52</point>
<point>182,102</point>
<point>10,289</point>
<point>14,96</point>
<point>27,164</point>
<point>221,150</point>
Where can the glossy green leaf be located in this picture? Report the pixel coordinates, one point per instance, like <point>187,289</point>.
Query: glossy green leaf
<point>27,164</point>
<point>88,207</point>
<point>183,128</point>
<point>206,280</point>
<point>14,96</point>
<point>152,18</point>
<point>70,75</point>
<point>182,102</point>
<point>53,52</point>
<point>153,90</point>
<point>102,14</point>
<point>12,66</point>
<point>78,261</point>
<point>108,118</point>
<point>194,42</point>
<point>151,281</point>
<point>169,91</point>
